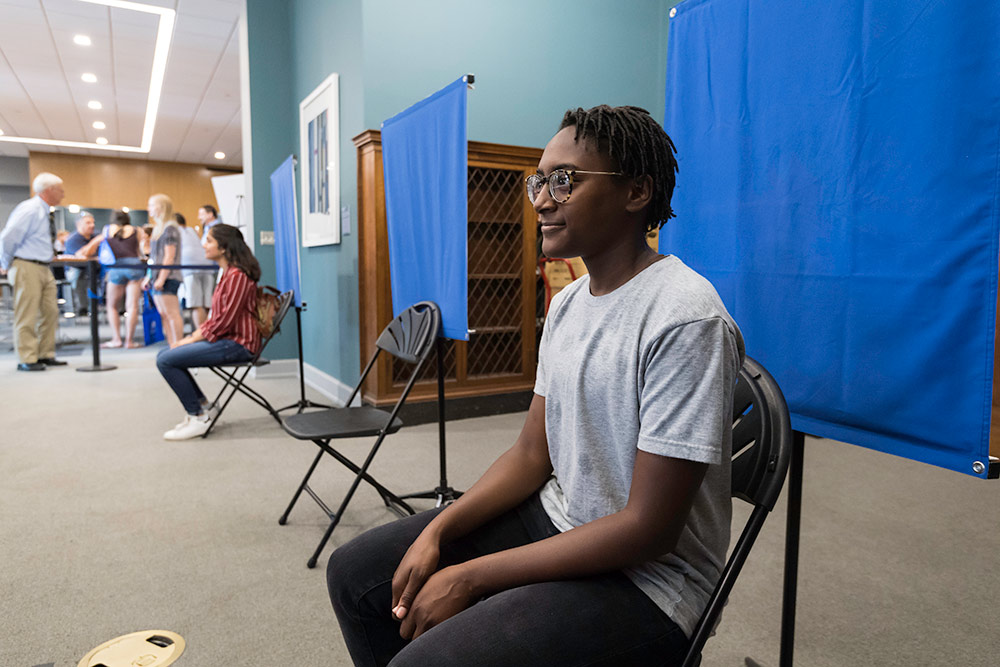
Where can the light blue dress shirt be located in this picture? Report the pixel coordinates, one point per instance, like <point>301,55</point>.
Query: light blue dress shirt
<point>26,234</point>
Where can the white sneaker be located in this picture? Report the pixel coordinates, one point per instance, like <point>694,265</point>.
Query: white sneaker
<point>192,427</point>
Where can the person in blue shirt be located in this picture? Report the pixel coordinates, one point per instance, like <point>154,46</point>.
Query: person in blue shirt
<point>82,243</point>
<point>26,251</point>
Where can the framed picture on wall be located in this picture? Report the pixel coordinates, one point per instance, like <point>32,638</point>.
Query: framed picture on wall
<point>319,146</point>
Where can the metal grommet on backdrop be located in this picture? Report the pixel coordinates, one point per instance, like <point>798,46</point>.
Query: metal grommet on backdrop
<point>148,648</point>
<point>978,467</point>
<point>673,12</point>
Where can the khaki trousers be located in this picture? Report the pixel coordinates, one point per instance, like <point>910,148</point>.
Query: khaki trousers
<point>36,311</point>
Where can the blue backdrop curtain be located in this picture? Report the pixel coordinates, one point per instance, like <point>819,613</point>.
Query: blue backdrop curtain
<point>286,235</point>
<point>839,185</point>
<point>425,164</point>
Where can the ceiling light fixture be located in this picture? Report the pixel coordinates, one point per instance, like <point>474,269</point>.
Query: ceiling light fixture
<point>95,105</point>
<point>102,141</point>
<point>125,209</point>
<point>1,132</point>
<point>87,77</point>
<point>99,125</point>
<point>219,155</point>
<point>74,208</point>
<point>81,40</point>
<point>165,29</point>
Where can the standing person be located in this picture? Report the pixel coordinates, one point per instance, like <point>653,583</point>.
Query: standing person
<point>124,278</point>
<point>82,244</point>
<point>229,335</point>
<point>198,284</point>
<point>27,247</point>
<point>208,217</point>
<point>597,538</point>
<point>165,248</point>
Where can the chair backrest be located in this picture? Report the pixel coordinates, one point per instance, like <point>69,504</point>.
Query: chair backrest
<point>762,448</point>
<point>411,334</point>
<point>762,437</point>
<point>285,300</point>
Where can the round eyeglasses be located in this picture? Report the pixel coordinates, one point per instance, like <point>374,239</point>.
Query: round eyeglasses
<point>560,183</point>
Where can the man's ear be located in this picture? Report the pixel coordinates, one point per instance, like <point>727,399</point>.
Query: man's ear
<point>640,193</point>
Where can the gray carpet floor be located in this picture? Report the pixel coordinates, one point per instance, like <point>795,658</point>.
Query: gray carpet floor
<point>107,529</point>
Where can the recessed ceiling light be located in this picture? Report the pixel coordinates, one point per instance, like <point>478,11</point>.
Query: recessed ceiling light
<point>219,155</point>
<point>1,131</point>
<point>102,141</point>
<point>125,209</point>
<point>88,77</point>
<point>95,105</point>
<point>99,125</point>
<point>161,50</point>
<point>74,208</point>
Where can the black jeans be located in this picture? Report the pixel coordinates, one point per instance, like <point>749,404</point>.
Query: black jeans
<point>600,620</point>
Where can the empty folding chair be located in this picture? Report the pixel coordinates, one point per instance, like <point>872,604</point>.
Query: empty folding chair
<point>234,374</point>
<point>409,337</point>
<point>762,447</point>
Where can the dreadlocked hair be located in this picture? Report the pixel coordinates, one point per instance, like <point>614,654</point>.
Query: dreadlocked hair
<point>638,144</point>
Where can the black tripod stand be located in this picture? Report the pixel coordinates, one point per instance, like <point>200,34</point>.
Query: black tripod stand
<point>443,493</point>
<point>303,402</point>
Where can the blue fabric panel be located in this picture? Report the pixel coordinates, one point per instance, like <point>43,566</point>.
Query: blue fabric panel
<point>286,234</point>
<point>839,185</point>
<point>425,164</point>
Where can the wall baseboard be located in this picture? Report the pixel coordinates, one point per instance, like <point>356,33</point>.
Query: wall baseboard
<point>278,368</point>
<point>332,388</point>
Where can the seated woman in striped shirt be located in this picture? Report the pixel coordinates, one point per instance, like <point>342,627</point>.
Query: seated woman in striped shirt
<point>229,335</point>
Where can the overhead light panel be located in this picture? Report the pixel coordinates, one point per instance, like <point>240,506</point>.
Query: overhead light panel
<point>87,77</point>
<point>125,209</point>
<point>219,155</point>
<point>95,105</point>
<point>74,208</point>
<point>102,141</point>
<point>99,125</point>
<point>164,31</point>
<point>1,132</point>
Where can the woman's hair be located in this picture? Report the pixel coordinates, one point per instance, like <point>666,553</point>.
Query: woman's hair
<point>180,220</point>
<point>165,216</point>
<point>235,249</point>
<point>122,219</point>
<point>639,146</point>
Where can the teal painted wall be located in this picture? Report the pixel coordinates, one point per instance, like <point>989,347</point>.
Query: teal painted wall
<point>272,135</point>
<point>532,61</point>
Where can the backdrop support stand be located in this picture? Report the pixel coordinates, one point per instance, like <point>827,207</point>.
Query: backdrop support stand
<point>792,525</point>
<point>303,402</point>
<point>444,493</point>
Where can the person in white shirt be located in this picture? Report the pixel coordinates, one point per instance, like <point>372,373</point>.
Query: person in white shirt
<point>27,247</point>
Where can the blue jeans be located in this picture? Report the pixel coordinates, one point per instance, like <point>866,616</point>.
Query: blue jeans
<point>174,364</point>
<point>600,620</point>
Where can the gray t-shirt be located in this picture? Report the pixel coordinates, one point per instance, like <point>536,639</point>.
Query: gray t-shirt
<point>650,366</point>
<point>171,236</point>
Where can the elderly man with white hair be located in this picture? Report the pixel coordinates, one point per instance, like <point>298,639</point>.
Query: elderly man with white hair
<point>26,250</point>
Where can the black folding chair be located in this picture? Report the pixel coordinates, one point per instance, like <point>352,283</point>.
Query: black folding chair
<point>410,337</point>
<point>234,374</point>
<point>762,447</point>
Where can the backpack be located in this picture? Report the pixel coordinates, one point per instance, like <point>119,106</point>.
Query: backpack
<point>268,300</point>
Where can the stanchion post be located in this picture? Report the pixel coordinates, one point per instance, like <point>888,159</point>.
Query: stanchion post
<point>95,338</point>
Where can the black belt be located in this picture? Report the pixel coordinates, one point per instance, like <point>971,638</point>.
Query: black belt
<point>33,261</point>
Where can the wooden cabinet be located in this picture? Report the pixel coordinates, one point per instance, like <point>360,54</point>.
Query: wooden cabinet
<point>500,356</point>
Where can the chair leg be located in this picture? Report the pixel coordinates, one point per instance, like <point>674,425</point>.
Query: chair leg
<point>388,496</point>
<point>305,480</point>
